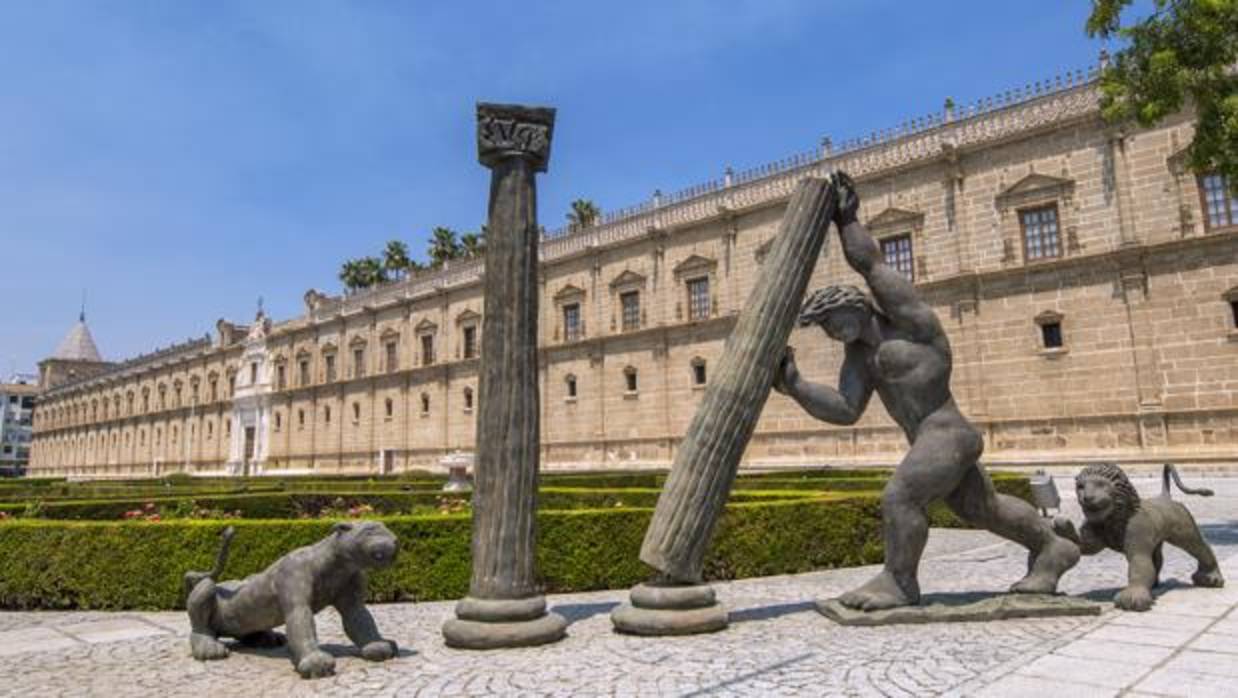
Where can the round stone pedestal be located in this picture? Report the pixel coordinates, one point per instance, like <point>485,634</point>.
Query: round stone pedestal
<point>483,624</point>
<point>671,609</point>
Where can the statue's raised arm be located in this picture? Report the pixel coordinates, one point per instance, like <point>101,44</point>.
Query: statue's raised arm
<point>893,291</point>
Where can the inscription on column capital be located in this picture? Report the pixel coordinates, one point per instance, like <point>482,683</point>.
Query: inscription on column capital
<point>511,130</point>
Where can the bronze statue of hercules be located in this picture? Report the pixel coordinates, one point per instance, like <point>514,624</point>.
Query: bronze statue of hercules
<point>899,349</point>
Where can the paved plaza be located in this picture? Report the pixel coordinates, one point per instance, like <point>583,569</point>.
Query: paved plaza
<point>777,643</point>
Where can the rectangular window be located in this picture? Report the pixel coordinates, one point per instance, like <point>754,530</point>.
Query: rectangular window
<point>698,298</point>
<point>303,368</point>
<point>1220,207</point>
<point>1040,233</point>
<point>253,373</point>
<point>629,377</point>
<point>390,408</point>
<point>1051,334</point>
<point>330,359</point>
<point>470,342</point>
<point>897,254</point>
<point>358,363</point>
<point>393,361</point>
<point>571,387</point>
<point>629,302</point>
<point>571,322</point>
<point>1233,307</point>
<point>427,349</point>
<point>281,377</point>
<point>698,373</point>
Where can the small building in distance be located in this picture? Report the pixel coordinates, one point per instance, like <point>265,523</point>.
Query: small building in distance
<point>17,399</point>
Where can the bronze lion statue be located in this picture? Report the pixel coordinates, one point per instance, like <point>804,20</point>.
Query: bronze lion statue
<point>1117,518</point>
<point>330,572</point>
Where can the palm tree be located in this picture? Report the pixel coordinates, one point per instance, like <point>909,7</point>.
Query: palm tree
<point>443,246</point>
<point>474,244</point>
<point>352,275</point>
<point>584,214</point>
<point>395,258</point>
<point>372,271</point>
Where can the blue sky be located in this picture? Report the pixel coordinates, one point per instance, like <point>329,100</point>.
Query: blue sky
<point>177,159</point>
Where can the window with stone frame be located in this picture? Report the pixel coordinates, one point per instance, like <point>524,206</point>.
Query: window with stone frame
<point>427,349</point>
<point>231,385</point>
<point>214,387</point>
<point>1219,204</point>
<point>698,298</point>
<point>393,357</point>
<point>629,304</point>
<point>468,400</point>
<point>571,322</point>
<point>253,373</point>
<point>326,414</point>
<point>281,376</point>
<point>389,408</point>
<point>358,362</point>
<point>1041,237</point>
<point>570,381</point>
<point>629,379</point>
<point>329,367</point>
<point>279,420</point>
<point>356,412</point>
<point>470,341</point>
<point>698,372</point>
<point>896,250</point>
<point>303,367</point>
<point>1052,339</point>
<point>300,419</point>
<point>425,404</point>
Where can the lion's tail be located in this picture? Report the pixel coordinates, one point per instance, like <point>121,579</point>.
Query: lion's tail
<point>1172,471</point>
<point>221,559</point>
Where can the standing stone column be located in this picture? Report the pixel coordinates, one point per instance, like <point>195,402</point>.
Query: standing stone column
<point>707,461</point>
<point>504,607</point>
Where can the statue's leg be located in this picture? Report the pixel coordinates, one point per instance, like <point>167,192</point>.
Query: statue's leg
<point>1185,534</point>
<point>310,660</point>
<point>930,470</point>
<point>360,627</point>
<point>203,641</point>
<point>1050,554</point>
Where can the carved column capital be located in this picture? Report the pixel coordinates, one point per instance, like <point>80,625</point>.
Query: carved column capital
<point>509,130</point>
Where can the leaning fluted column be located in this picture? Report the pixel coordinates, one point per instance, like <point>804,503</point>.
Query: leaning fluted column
<point>708,458</point>
<point>504,607</point>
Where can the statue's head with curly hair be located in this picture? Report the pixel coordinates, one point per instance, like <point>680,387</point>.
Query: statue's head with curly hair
<point>1106,495</point>
<point>842,311</point>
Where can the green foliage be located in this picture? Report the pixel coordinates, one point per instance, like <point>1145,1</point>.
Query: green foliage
<point>584,214</point>
<point>473,244</point>
<point>443,246</point>
<point>395,258</point>
<point>46,564</point>
<point>357,274</point>
<point>589,536</point>
<point>1184,51</point>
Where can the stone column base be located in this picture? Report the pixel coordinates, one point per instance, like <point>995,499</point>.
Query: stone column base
<point>483,624</point>
<point>670,610</point>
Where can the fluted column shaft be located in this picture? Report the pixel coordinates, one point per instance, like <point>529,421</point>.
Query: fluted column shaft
<point>708,458</point>
<point>505,490</point>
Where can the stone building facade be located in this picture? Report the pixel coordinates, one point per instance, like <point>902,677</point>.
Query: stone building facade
<point>1088,283</point>
<point>17,397</point>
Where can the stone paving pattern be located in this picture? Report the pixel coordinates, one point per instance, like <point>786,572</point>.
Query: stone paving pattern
<point>777,643</point>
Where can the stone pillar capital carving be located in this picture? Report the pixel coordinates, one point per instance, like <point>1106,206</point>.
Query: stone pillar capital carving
<point>509,130</point>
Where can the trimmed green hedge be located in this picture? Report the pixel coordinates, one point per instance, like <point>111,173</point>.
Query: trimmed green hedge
<point>129,565</point>
<point>290,505</point>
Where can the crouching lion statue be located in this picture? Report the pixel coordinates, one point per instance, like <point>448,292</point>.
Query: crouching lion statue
<point>1116,518</point>
<point>330,572</point>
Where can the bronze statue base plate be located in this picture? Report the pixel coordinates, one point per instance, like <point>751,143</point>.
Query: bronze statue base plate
<point>969,607</point>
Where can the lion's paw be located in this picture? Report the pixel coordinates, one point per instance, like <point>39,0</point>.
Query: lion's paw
<point>206,648</point>
<point>1133,599</point>
<point>379,650</point>
<point>316,665</point>
<point>1210,578</point>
